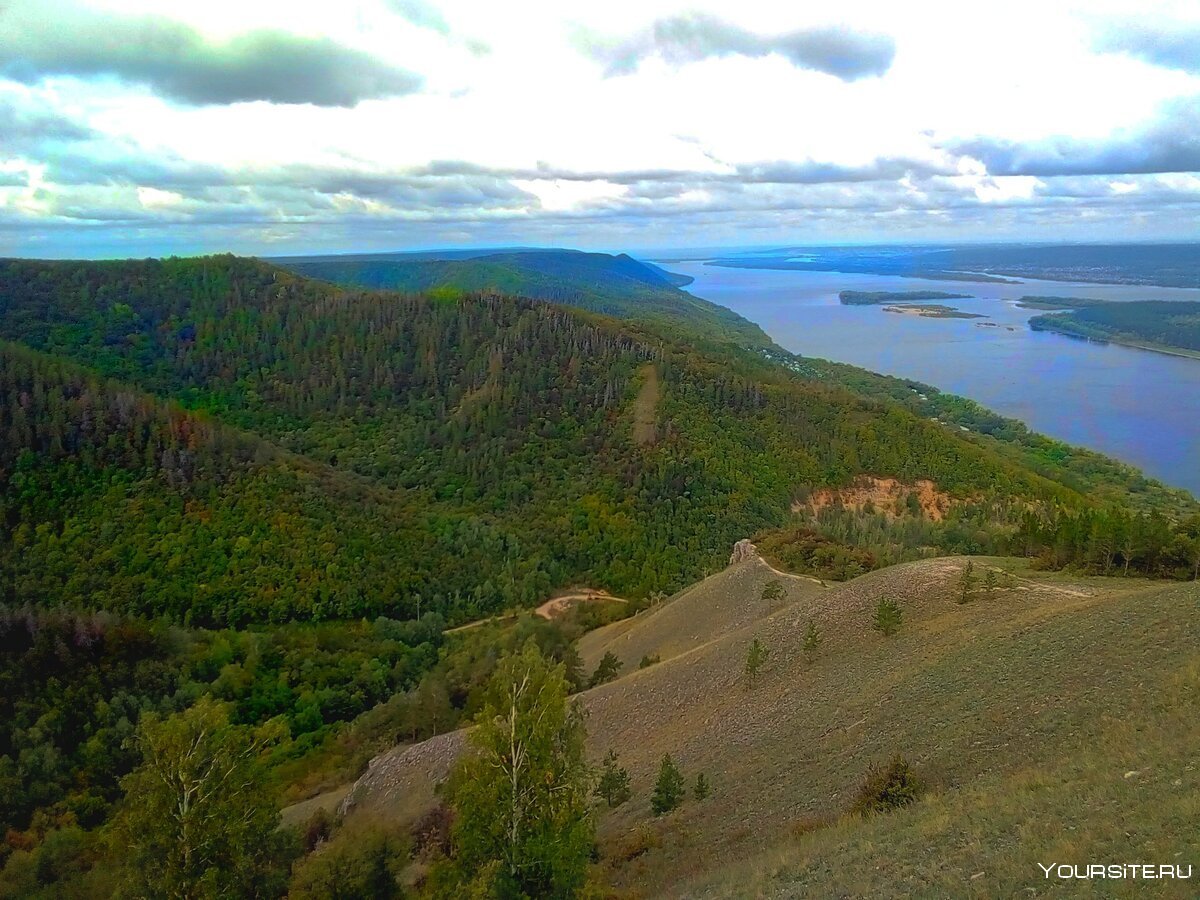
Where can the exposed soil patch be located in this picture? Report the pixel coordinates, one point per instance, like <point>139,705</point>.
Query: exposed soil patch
<point>887,495</point>
<point>645,407</point>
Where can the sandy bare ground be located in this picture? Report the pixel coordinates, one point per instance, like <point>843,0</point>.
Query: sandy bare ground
<point>556,606</point>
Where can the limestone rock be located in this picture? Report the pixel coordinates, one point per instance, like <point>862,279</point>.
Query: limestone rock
<point>742,551</point>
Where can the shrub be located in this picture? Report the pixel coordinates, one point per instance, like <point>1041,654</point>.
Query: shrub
<point>361,861</point>
<point>807,825</point>
<point>316,830</point>
<point>635,843</point>
<point>773,590</point>
<point>888,787</point>
<point>431,833</point>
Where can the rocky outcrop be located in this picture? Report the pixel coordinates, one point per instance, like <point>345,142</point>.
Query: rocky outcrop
<point>742,551</point>
<point>404,779</point>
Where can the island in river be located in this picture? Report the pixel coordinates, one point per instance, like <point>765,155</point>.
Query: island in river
<point>931,311</point>
<point>872,298</point>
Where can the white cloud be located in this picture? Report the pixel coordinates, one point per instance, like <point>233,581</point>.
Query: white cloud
<point>732,125</point>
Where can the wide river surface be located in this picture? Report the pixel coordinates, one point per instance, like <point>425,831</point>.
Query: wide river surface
<point>1137,405</point>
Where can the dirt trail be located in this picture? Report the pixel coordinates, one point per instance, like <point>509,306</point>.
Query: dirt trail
<point>551,609</point>
<point>811,578</point>
<point>477,623</point>
<point>556,606</point>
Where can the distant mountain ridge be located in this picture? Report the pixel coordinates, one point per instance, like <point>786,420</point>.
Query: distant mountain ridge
<point>1167,265</point>
<point>615,285</point>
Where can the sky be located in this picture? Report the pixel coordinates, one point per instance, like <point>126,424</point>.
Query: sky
<point>153,127</point>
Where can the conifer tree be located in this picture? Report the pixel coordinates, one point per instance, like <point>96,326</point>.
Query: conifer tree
<point>701,790</point>
<point>888,617</point>
<point>613,786</point>
<point>755,657</point>
<point>812,641</point>
<point>606,670</point>
<point>966,582</point>
<point>668,790</point>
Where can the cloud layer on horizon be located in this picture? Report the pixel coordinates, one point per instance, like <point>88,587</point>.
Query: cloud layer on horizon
<point>1169,143</point>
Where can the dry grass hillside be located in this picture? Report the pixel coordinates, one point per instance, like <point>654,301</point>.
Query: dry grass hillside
<point>704,612</point>
<point>1035,701</point>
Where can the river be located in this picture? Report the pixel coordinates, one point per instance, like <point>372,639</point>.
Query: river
<point>1136,405</point>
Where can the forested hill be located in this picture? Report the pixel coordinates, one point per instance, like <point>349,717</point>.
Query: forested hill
<point>115,500</point>
<point>231,443</point>
<point>613,285</point>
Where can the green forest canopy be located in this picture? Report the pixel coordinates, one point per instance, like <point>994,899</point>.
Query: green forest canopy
<point>221,479</point>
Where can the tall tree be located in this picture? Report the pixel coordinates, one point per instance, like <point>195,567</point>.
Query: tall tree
<point>1191,533</point>
<point>520,793</point>
<point>198,821</point>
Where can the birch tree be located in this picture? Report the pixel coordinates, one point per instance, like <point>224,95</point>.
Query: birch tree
<point>520,793</point>
<point>197,821</point>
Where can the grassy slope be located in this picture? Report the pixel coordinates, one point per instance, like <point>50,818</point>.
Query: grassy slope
<point>704,612</point>
<point>1029,707</point>
<point>1105,772</point>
